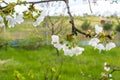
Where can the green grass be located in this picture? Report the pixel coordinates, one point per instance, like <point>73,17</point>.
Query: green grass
<point>44,62</point>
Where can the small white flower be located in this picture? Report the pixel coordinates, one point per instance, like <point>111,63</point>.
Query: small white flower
<point>21,8</point>
<point>34,13</point>
<point>1,21</point>
<point>94,41</point>
<point>100,47</point>
<point>55,39</point>
<point>11,21</point>
<point>106,68</point>
<point>110,45</point>
<point>3,5</point>
<point>40,18</point>
<point>58,46</point>
<point>77,50</point>
<point>19,18</point>
<point>68,52</point>
<point>64,47</point>
<point>98,29</point>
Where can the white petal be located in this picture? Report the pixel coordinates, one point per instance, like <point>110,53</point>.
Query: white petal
<point>55,39</point>
<point>41,17</point>
<point>68,52</point>
<point>11,21</point>
<point>19,18</point>
<point>93,41</point>
<point>110,45</point>
<point>98,29</point>
<point>77,50</point>
<point>58,46</point>
<point>106,68</point>
<point>100,47</point>
<point>34,14</point>
<point>21,8</point>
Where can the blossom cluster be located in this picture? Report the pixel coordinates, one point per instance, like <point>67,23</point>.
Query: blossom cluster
<point>18,16</point>
<point>67,51</point>
<point>107,74</point>
<point>96,43</point>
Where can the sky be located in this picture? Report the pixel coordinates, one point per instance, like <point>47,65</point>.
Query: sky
<point>80,7</point>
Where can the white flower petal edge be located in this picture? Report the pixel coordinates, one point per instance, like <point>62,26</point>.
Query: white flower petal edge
<point>11,21</point>
<point>55,39</point>
<point>58,46</point>
<point>110,45</point>
<point>93,42</point>
<point>77,50</point>
<point>98,29</point>
<point>40,18</point>
<point>18,18</point>
<point>1,21</point>
<point>68,52</point>
<point>100,47</point>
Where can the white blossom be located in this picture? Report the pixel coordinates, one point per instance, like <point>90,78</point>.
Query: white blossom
<point>40,18</point>
<point>3,5</point>
<point>21,8</point>
<point>1,21</point>
<point>19,18</point>
<point>68,52</point>
<point>64,47</point>
<point>34,13</point>
<point>98,29</point>
<point>94,41</point>
<point>77,50</point>
<point>55,39</point>
<point>11,21</point>
<point>100,47</point>
<point>58,46</point>
<point>106,66</point>
<point>110,45</point>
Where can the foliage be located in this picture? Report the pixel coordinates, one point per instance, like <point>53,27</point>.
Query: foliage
<point>118,28</point>
<point>85,25</point>
<point>107,26</point>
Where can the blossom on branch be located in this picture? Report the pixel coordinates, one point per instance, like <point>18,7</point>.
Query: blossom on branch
<point>97,44</point>
<point>67,50</point>
<point>110,45</point>
<point>94,41</point>
<point>11,21</point>
<point>18,18</point>
<point>98,29</point>
<point>100,47</point>
<point>40,18</point>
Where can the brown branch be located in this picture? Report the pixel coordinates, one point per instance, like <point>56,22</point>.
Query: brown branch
<point>71,18</point>
<point>43,1</point>
<point>90,6</point>
<point>34,2</point>
<point>74,29</point>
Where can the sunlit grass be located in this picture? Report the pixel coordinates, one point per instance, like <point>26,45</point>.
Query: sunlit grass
<point>44,62</point>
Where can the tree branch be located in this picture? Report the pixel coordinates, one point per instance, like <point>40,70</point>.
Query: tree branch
<point>43,1</point>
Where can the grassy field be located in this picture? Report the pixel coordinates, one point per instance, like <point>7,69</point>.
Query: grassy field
<point>44,64</point>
